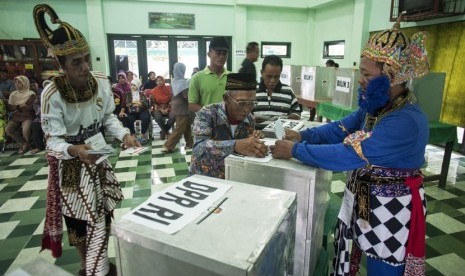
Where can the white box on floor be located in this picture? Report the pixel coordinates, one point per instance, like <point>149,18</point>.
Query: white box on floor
<point>252,235</point>
<point>39,267</point>
<point>311,185</point>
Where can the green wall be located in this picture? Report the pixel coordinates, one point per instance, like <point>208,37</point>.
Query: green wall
<point>304,23</point>
<point>16,21</point>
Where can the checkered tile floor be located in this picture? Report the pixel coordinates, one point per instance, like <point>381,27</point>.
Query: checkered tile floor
<point>23,181</point>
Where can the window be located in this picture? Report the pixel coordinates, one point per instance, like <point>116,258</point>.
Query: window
<point>334,49</point>
<point>281,49</point>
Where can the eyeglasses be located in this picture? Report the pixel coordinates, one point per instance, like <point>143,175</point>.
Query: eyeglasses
<point>244,104</point>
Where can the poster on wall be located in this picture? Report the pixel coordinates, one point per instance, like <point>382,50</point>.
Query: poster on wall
<point>164,20</point>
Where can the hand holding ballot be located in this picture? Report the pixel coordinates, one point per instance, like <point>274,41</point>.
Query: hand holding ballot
<point>282,149</point>
<point>292,135</point>
<point>251,146</point>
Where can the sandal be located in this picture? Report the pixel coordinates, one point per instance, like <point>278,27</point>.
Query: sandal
<point>23,149</point>
<point>34,151</point>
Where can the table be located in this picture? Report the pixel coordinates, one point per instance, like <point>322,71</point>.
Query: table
<point>312,105</point>
<point>439,133</point>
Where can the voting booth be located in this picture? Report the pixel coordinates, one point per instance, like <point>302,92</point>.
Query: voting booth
<point>317,83</point>
<point>311,185</point>
<point>346,87</point>
<point>208,226</point>
<point>290,76</point>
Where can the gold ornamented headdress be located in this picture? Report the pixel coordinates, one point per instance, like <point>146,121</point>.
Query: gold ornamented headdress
<point>405,58</point>
<point>65,39</point>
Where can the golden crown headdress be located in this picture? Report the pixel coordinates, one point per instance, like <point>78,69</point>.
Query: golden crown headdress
<point>65,39</point>
<point>405,58</point>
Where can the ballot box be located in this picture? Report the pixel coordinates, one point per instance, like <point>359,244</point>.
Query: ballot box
<point>39,267</point>
<point>252,232</point>
<point>311,185</point>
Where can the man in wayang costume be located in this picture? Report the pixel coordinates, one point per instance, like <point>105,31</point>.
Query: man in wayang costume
<point>77,106</point>
<point>383,142</point>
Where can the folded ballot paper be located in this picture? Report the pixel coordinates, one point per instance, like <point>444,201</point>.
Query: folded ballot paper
<point>136,150</point>
<point>100,147</point>
<point>104,152</point>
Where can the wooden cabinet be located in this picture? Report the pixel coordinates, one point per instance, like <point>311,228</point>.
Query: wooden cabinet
<point>27,57</point>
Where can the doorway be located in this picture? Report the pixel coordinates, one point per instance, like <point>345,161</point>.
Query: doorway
<point>142,54</point>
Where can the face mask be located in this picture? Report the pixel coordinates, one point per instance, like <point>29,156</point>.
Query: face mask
<point>376,95</point>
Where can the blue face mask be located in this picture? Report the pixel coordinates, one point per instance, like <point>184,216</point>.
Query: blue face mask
<point>376,95</point>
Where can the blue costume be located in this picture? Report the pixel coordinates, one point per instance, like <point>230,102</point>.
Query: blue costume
<point>397,141</point>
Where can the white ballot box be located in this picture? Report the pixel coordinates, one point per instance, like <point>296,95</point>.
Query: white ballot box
<point>247,230</point>
<point>311,185</point>
<point>39,267</point>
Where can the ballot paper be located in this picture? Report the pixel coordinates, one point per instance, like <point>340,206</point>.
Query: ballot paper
<point>100,147</point>
<point>136,150</point>
<point>279,129</point>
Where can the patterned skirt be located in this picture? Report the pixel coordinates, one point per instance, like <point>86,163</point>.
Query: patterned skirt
<point>381,216</point>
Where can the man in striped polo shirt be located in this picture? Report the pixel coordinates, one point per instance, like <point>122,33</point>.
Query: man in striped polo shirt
<point>274,98</point>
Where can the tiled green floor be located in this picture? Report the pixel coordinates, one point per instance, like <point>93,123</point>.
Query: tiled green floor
<point>23,181</point>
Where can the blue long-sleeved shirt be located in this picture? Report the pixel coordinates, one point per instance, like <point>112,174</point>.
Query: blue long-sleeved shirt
<point>397,141</point>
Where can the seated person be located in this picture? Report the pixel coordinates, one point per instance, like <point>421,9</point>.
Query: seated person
<point>273,98</point>
<point>6,85</point>
<point>227,127</point>
<point>137,106</point>
<point>20,104</point>
<point>160,100</point>
<point>2,121</point>
<point>37,134</point>
<point>119,98</point>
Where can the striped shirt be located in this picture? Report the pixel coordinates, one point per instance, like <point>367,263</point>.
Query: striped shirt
<point>281,102</point>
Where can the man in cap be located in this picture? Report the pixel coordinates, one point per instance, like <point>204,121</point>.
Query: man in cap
<point>207,85</point>
<point>383,142</point>
<point>226,128</point>
<point>75,109</point>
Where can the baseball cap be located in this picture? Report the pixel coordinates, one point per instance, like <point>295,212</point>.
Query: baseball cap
<point>219,44</point>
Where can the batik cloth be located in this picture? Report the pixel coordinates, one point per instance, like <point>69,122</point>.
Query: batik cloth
<point>387,229</point>
<point>214,140</point>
